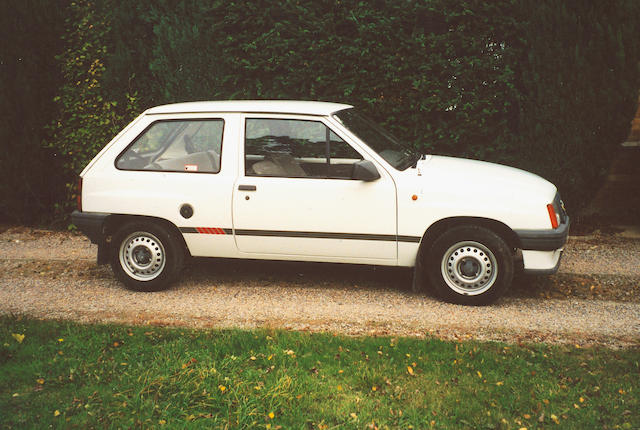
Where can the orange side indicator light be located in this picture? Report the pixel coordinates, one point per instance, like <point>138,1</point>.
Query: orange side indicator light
<point>552,216</point>
<point>414,197</point>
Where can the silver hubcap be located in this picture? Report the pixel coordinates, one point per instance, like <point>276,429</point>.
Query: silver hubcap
<point>142,256</point>
<point>469,268</point>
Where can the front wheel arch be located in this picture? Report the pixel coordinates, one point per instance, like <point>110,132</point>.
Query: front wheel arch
<point>469,265</point>
<point>421,282</point>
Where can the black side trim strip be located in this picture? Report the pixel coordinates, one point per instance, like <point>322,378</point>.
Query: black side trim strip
<point>327,235</point>
<point>410,239</point>
<point>544,240</point>
<point>308,234</point>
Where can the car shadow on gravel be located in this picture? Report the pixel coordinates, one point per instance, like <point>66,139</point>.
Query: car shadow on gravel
<point>378,278</point>
<point>299,274</point>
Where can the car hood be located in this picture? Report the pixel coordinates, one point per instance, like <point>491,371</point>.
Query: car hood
<point>480,180</point>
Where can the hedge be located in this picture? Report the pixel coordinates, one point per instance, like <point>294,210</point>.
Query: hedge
<point>547,85</point>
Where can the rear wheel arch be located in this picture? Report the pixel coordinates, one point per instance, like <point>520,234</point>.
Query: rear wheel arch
<point>115,221</point>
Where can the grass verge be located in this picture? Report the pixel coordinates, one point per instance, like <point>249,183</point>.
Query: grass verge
<point>63,374</point>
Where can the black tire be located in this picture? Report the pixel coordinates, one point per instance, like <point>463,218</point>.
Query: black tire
<point>469,265</point>
<point>146,256</point>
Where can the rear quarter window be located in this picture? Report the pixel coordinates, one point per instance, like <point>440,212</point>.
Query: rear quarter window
<point>176,146</point>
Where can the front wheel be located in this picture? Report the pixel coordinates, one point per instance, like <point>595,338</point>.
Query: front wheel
<point>145,256</point>
<point>470,265</point>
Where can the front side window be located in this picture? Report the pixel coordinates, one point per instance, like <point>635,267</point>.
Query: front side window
<point>296,148</point>
<point>176,146</point>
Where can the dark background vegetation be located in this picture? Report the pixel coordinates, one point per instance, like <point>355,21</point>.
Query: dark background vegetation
<point>549,86</point>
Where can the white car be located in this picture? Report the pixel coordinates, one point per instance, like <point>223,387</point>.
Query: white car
<point>310,181</point>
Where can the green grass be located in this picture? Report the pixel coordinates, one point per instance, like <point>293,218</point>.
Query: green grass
<point>70,375</point>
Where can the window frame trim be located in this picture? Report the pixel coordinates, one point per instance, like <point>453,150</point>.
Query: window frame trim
<point>292,117</point>
<point>139,135</point>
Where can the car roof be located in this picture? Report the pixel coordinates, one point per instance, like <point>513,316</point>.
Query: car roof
<point>250,106</point>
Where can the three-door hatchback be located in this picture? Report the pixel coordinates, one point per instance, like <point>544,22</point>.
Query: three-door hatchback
<point>310,181</point>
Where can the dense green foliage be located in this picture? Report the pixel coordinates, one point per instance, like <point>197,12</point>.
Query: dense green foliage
<point>549,85</point>
<point>69,375</point>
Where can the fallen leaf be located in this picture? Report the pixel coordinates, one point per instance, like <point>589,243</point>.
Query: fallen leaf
<point>479,374</point>
<point>374,388</point>
<point>56,413</point>
<point>410,370</point>
<point>162,422</point>
<point>271,415</point>
<point>353,415</point>
<point>526,416</point>
<point>545,401</point>
<point>339,387</point>
<point>40,381</point>
<point>555,419</point>
<point>18,337</point>
<point>253,358</point>
<point>581,399</point>
<point>541,418</point>
<point>499,383</point>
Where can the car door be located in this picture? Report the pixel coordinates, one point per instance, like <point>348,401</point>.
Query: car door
<point>295,197</point>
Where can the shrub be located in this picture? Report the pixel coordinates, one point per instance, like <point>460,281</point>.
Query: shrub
<point>87,119</point>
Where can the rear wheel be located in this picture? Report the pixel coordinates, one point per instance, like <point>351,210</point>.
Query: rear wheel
<point>146,256</point>
<point>470,265</point>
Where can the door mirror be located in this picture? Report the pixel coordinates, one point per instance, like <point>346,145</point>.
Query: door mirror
<point>364,170</point>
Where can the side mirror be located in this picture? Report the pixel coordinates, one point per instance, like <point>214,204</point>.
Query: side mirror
<point>364,170</point>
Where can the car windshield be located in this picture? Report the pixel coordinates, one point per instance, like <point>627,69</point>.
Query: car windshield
<point>399,155</point>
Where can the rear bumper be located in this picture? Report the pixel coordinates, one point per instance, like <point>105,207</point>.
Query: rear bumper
<point>91,224</point>
<point>544,240</point>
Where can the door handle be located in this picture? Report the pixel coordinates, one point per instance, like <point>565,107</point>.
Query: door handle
<point>246,187</point>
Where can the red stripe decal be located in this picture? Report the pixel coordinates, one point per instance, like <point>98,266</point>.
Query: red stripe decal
<point>210,230</point>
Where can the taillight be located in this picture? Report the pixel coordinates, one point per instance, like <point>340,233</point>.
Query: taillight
<point>553,216</point>
<point>79,194</point>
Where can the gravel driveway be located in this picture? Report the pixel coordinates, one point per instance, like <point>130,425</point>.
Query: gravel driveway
<point>593,300</point>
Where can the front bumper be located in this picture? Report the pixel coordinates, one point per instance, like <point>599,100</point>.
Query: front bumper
<point>542,249</point>
<point>544,240</point>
